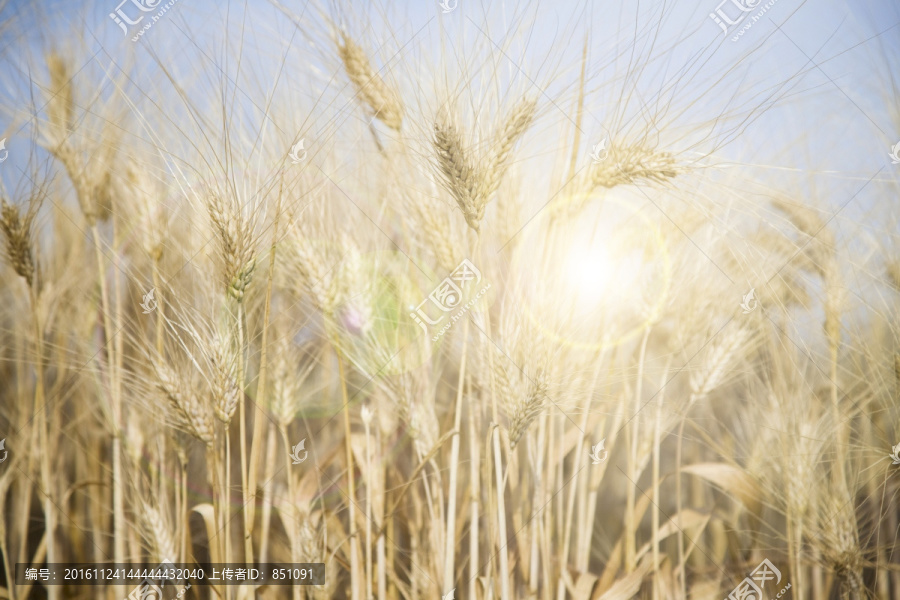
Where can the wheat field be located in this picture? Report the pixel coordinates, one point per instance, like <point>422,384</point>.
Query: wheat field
<point>465,300</point>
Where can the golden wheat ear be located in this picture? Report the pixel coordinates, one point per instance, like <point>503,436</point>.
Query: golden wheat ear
<point>17,233</point>
<point>458,173</point>
<point>628,164</point>
<point>377,95</point>
<point>61,104</point>
<point>511,131</point>
<point>189,410</point>
<point>526,409</point>
<point>237,244</point>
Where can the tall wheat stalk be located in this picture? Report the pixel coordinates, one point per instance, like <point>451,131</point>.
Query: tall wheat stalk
<point>355,575</point>
<point>450,546</point>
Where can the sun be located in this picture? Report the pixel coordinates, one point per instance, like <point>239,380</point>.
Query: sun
<point>598,274</point>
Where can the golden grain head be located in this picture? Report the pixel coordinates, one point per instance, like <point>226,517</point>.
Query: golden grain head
<point>526,409</point>
<point>287,380</point>
<point>236,243</point>
<point>630,164</point>
<point>61,103</point>
<point>377,95</point>
<point>513,128</point>
<point>17,233</point>
<point>461,178</point>
<point>189,411</point>
<point>159,532</point>
<point>839,541</point>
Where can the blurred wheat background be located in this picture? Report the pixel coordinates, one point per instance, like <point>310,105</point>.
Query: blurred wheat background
<point>686,359</point>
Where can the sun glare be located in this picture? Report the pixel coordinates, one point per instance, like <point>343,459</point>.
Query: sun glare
<point>598,275</point>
